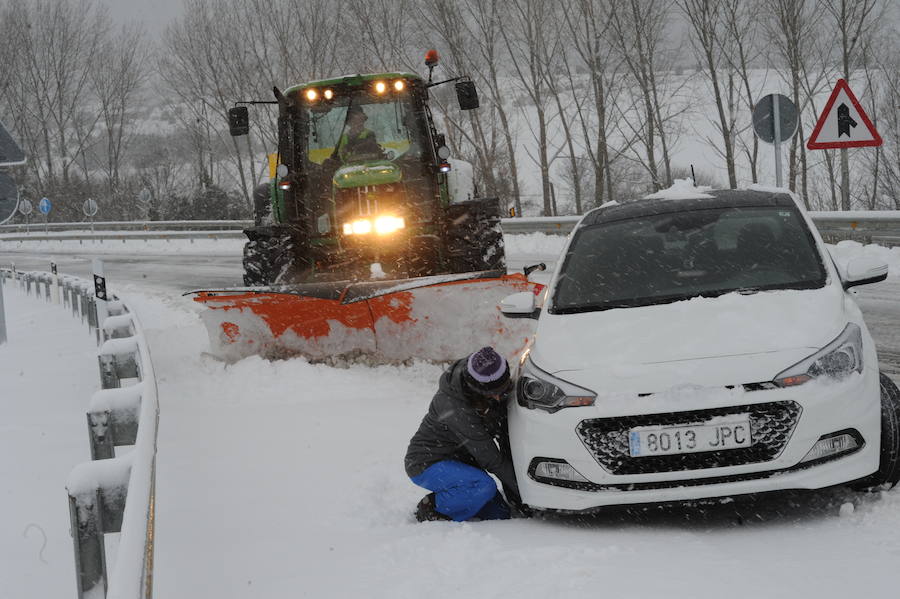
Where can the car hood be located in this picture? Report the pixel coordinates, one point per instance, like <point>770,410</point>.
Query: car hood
<point>728,340</point>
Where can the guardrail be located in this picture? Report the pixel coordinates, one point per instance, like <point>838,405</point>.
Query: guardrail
<point>132,225</point>
<point>882,227</point>
<point>111,494</point>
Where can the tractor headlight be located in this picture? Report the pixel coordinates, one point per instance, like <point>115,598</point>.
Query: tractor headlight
<point>385,225</point>
<point>358,227</point>
<point>836,360</point>
<point>380,87</point>
<point>538,389</point>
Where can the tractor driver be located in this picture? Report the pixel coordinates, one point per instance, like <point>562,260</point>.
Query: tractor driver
<point>357,142</point>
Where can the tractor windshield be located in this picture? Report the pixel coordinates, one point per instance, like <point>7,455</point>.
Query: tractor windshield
<point>360,127</point>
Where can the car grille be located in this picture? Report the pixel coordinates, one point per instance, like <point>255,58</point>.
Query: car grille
<point>771,425</point>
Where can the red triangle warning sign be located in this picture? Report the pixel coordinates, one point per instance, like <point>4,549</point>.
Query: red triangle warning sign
<point>843,123</point>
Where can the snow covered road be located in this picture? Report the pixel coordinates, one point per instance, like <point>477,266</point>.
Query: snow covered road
<point>285,479</point>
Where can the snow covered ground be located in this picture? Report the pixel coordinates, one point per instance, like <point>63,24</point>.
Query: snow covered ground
<point>48,372</point>
<point>285,478</point>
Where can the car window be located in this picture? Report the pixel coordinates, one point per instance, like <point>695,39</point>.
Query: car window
<point>667,257</point>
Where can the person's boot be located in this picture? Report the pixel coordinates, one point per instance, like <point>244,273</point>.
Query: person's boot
<point>426,512</point>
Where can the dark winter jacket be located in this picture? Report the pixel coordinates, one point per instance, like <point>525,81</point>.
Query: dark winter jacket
<point>462,426</point>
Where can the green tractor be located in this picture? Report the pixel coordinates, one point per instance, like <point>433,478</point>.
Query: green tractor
<point>362,187</point>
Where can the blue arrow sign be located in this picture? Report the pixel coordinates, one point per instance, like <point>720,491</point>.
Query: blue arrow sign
<point>44,205</point>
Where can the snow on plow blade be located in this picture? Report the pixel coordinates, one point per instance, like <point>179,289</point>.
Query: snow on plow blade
<point>429,318</point>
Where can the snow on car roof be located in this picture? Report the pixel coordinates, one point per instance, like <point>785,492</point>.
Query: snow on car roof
<point>682,189</point>
<point>720,198</point>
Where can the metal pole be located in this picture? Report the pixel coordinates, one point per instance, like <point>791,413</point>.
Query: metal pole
<point>102,311</point>
<point>776,123</point>
<point>2,312</point>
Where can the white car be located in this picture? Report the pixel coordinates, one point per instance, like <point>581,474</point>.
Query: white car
<point>699,347</point>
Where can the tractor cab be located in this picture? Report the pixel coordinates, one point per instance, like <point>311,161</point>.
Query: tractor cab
<point>362,182</point>
<point>368,156</point>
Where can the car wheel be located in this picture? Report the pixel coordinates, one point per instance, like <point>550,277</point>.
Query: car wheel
<point>888,472</point>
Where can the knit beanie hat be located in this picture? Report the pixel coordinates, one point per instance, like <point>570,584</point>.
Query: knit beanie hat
<point>487,372</point>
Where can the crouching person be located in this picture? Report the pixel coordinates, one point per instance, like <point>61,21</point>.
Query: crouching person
<point>456,444</point>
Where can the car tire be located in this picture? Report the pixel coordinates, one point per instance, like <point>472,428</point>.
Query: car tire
<point>888,472</point>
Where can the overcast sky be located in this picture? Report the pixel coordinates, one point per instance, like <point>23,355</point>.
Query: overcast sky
<point>155,14</point>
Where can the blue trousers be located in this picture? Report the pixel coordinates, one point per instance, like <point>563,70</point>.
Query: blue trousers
<point>463,492</point>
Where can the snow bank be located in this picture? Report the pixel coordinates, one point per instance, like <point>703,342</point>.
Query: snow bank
<point>844,251</point>
<point>48,370</point>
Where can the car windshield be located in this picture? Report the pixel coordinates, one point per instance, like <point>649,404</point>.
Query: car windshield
<point>390,122</point>
<point>668,257</point>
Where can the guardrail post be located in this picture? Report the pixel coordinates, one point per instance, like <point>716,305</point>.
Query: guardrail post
<point>113,420</point>
<point>90,550</point>
<point>100,435</point>
<point>118,360</point>
<point>117,327</point>
<point>94,510</point>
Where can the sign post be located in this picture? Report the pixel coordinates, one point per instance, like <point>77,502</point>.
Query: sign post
<point>55,274</point>
<point>25,209</point>
<point>2,312</point>
<point>100,295</point>
<point>775,120</point>
<point>90,208</point>
<point>44,206</point>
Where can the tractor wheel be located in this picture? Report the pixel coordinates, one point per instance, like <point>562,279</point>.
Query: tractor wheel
<point>475,240</point>
<point>272,257</point>
<point>257,269</point>
<point>888,472</point>
<point>262,205</point>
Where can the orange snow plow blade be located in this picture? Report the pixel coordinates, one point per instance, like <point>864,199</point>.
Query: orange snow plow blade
<point>430,318</point>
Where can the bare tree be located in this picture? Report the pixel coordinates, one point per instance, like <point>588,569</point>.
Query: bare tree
<point>741,50</point>
<point>529,46</point>
<point>855,21</point>
<point>485,19</point>
<point>117,81</point>
<point>50,85</point>
<point>706,18</point>
<point>794,29</point>
<point>638,29</point>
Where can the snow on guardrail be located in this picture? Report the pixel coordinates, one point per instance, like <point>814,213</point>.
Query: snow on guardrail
<point>111,493</point>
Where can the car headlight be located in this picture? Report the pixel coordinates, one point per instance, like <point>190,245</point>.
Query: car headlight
<point>836,360</point>
<point>538,389</point>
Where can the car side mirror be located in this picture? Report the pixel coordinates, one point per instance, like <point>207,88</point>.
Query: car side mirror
<point>238,121</point>
<point>519,305</point>
<point>864,270</point>
<point>467,95</point>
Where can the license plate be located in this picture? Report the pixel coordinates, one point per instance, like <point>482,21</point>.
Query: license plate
<point>714,435</point>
